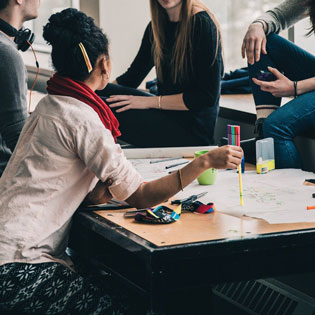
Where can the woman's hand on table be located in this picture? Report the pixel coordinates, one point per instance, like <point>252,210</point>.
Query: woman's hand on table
<point>126,102</point>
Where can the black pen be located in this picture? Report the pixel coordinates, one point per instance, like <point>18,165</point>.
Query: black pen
<point>191,198</point>
<point>170,166</point>
<point>107,206</point>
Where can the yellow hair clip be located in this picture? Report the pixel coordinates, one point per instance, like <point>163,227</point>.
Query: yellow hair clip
<point>86,57</point>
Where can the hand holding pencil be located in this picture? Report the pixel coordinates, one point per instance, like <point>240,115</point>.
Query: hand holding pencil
<point>234,138</point>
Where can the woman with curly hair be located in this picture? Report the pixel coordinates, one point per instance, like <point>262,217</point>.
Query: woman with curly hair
<point>294,76</point>
<point>67,153</point>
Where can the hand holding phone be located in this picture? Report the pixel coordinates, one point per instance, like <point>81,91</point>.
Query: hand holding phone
<point>265,76</point>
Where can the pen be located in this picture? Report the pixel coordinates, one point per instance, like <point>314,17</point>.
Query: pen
<point>119,203</point>
<point>240,184</point>
<point>167,167</point>
<point>310,208</point>
<point>191,198</point>
<point>107,206</point>
<point>164,160</point>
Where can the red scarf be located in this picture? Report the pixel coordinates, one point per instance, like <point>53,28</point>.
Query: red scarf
<point>58,85</point>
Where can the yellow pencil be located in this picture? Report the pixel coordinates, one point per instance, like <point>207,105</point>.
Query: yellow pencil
<point>241,184</point>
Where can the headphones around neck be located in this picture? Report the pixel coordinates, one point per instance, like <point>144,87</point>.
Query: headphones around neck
<point>22,37</point>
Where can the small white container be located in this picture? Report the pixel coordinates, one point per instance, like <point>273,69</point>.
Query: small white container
<point>265,155</point>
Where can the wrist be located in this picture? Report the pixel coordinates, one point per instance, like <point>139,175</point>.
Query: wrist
<point>262,24</point>
<point>160,102</point>
<point>156,102</point>
<point>205,162</point>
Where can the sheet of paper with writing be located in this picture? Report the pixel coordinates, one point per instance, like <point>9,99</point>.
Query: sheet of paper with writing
<point>277,197</point>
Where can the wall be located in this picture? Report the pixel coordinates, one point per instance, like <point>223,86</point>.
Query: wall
<point>124,23</point>
<point>300,39</point>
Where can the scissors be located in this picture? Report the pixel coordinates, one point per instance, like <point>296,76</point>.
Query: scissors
<point>191,198</point>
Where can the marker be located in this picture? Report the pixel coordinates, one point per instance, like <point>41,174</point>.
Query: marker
<point>240,184</point>
<point>310,208</point>
<point>170,166</point>
<point>235,138</point>
<point>107,206</point>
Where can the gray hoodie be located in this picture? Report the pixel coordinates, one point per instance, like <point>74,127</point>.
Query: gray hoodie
<point>13,103</point>
<point>286,14</point>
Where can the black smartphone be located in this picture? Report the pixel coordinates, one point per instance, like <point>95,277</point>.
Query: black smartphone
<point>265,76</point>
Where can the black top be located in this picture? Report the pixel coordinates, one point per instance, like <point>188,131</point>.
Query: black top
<point>201,88</point>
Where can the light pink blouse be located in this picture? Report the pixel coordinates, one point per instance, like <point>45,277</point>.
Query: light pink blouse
<point>62,152</point>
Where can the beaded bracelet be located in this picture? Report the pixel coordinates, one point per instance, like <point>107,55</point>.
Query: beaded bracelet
<point>295,89</point>
<point>159,102</point>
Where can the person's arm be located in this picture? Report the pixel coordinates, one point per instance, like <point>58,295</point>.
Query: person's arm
<point>273,21</point>
<point>95,147</point>
<point>155,192</point>
<point>305,86</point>
<point>286,14</point>
<point>142,63</point>
<point>13,104</point>
<point>284,87</point>
<point>165,102</point>
<point>204,87</point>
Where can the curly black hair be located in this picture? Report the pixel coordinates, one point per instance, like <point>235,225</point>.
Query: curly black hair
<point>3,4</point>
<point>64,31</point>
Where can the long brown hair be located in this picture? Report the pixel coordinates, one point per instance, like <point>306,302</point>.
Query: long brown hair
<point>311,8</point>
<point>182,57</point>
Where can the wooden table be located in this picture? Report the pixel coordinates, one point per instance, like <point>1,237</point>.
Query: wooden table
<point>183,259</point>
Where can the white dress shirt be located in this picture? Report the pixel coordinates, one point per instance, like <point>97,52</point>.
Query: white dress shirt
<point>62,152</point>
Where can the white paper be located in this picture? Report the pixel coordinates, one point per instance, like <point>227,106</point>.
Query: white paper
<point>277,197</point>
<point>151,153</point>
<point>154,171</point>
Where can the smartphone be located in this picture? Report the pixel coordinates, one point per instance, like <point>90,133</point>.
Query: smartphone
<point>265,76</point>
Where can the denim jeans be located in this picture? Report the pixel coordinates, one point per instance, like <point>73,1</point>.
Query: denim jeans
<point>298,115</point>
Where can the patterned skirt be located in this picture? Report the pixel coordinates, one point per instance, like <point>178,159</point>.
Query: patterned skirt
<point>51,288</point>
